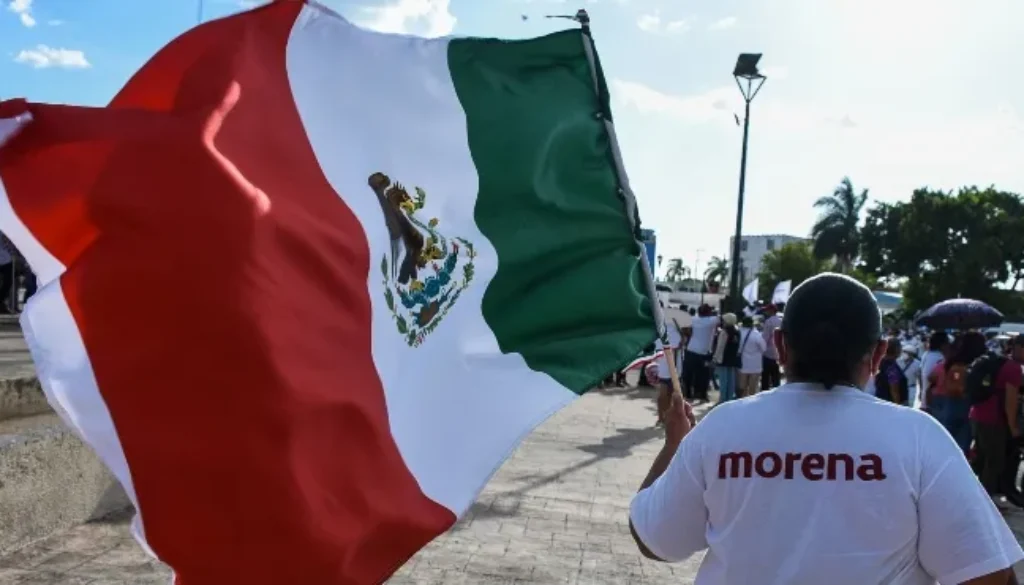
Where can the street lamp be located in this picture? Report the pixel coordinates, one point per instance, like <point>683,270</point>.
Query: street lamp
<point>749,80</point>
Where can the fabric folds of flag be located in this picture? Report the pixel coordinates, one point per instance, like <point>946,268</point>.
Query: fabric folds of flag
<point>303,287</point>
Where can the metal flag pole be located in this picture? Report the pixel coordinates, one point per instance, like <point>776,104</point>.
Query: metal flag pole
<point>581,17</point>
<point>626,193</point>
<point>199,12</point>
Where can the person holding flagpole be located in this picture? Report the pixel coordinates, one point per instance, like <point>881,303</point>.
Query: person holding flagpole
<point>817,482</point>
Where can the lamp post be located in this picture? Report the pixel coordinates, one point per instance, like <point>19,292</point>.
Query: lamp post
<point>749,80</point>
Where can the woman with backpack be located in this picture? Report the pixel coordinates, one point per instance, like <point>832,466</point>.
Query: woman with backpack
<point>949,402</point>
<point>993,384</point>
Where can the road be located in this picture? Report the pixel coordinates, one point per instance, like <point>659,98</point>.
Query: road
<point>554,513</point>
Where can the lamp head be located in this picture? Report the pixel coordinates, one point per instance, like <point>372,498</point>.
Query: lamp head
<point>746,66</point>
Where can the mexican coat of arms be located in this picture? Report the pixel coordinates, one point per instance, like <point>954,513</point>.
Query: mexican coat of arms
<point>424,273</point>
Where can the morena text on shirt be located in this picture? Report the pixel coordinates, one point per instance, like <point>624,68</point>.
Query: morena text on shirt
<point>810,466</point>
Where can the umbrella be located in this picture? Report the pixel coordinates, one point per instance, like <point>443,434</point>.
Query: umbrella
<point>960,314</point>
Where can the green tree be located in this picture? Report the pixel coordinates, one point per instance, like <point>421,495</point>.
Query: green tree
<point>717,271</point>
<point>941,245</point>
<point>677,271</point>
<point>866,278</point>
<point>795,261</point>
<point>836,233</point>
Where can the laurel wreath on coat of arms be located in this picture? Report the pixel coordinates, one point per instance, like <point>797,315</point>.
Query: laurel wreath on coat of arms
<point>424,273</point>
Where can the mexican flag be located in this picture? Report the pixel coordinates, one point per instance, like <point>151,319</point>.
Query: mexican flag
<point>304,286</point>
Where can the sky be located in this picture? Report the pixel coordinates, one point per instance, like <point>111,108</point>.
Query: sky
<point>897,95</point>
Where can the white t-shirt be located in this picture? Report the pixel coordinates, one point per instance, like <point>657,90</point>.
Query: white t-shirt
<point>674,339</point>
<point>911,367</point>
<point>703,334</point>
<point>751,351</point>
<point>928,363</point>
<point>806,486</point>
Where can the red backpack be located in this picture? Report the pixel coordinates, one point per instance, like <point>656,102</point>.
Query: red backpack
<point>954,384</point>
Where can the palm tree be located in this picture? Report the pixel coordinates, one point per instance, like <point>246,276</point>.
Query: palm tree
<point>836,233</point>
<point>677,271</point>
<point>717,271</point>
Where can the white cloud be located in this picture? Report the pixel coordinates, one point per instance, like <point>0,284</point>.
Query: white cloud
<point>43,57</point>
<point>723,23</point>
<point>430,18</point>
<point>776,72</point>
<point>706,107</point>
<point>722,104</point>
<point>653,23</point>
<point>893,151</point>
<point>23,8</point>
<point>648,22</point>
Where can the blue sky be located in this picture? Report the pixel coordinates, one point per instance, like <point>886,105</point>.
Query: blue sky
<point>897,94</point>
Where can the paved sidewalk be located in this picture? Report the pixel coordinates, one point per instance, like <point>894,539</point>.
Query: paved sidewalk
<point>555,513</point>
<point>15,361</point>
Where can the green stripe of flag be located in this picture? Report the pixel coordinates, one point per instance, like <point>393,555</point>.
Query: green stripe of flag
<point>570,294</point>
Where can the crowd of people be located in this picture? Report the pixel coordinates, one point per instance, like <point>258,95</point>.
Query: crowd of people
<point>736,355</point>
<point>969,382</point>
<point>816,481</point>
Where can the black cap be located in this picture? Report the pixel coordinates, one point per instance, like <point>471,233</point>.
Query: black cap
<point>833,310</point>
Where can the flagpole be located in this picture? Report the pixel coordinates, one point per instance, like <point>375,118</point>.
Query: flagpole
<point>624,191</point>
<point>199,12</point>
<point>628,198</point>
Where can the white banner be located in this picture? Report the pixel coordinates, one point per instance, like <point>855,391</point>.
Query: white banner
<point>750,292</point>
<point>781,293</point>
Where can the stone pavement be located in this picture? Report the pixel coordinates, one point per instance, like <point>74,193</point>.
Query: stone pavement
<point>15,361</point>
<point>554,513</point>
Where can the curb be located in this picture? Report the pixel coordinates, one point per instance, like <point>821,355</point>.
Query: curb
<point>50,481</point>
<point>22,396</point>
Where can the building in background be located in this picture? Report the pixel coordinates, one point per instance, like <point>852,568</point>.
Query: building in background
<point>753,249</point>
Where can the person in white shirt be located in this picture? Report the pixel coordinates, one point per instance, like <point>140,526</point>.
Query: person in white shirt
<point>675,341</point>
<point>815,482</point>
<point>771,376</point>
<point>697,357</point>
<point>658,369</point>
<point>911,367</point>
<point>938,343</point>
<point>752,348</point>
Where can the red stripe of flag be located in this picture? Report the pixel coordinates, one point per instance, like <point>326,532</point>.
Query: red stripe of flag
<point>219,285</point>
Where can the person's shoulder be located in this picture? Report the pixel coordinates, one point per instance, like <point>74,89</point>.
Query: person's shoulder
<point>903,419</point>
<point>721,418</point>
<point>728,413</point>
